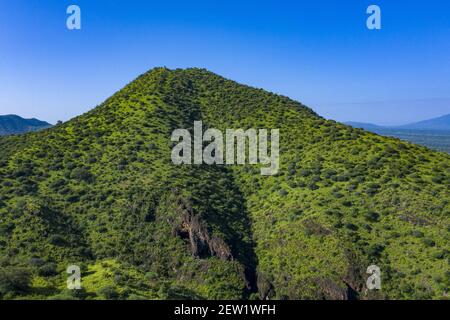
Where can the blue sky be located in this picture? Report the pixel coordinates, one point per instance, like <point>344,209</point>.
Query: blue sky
<point>319,53</point>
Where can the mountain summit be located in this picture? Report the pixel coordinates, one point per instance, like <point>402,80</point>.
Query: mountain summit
<point>101,193</point>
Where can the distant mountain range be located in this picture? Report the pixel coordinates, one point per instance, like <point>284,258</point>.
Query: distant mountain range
<point>363,125</point>
<point>433,133</point>
<point>13,124</point>
<point>441,123</point>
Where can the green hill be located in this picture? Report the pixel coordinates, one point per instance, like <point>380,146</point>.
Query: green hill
<point>100,191</point>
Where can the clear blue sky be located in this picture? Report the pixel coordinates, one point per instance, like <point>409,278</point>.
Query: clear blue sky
<point>319,53</point>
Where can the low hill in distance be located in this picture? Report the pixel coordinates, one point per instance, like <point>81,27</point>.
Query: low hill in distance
<point>13,124</point>
<point>434,133</point>
<point>436,124</point>
<point>363,125</point>
<point>441,123</point>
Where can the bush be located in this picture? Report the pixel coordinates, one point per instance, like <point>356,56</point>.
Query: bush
<point>375,250</point>
<point>417,234</point>
<point>36,261</point>
<point>6,228</point>
<point>81,174</point>
<point>48,270</point>
<point>109,292</point>
<point>67,294</point>
<point>372,216</point>
<point>439,255</point>
<point>57,240</point>
<point>57,184</point>
<point>14,281</point>
<point>428,242</point>
<point>313,186</point>
<point>351,226</point>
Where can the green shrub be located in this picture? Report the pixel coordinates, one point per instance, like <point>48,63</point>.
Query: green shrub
<point>428,242</point>
<point>47,270</point>
<point>372,216</point>
<point>109,293</point>
<point>14,280</point>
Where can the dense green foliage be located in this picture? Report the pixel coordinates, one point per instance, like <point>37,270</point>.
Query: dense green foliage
<point>101,191</point>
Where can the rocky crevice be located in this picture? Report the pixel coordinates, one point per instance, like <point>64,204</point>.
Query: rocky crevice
<point>202,244</point>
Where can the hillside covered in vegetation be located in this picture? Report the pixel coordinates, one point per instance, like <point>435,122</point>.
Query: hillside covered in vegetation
<point>100,191</point>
